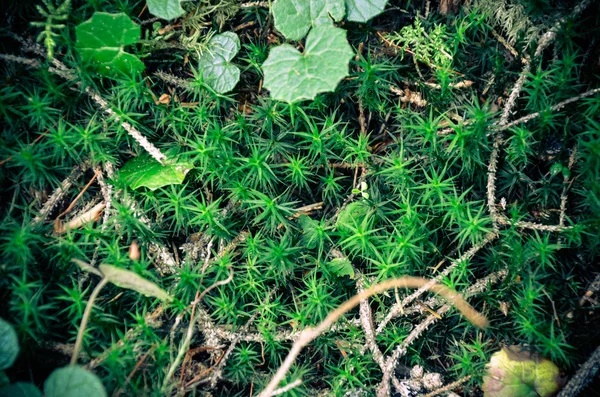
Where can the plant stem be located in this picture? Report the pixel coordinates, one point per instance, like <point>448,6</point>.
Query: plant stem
<point>84,320</point>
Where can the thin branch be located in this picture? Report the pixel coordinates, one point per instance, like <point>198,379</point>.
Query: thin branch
<point>85,318</point>
<point>311,333</point>
<point>584,375</point>
<point>398,309</point>
<point>448,387</point>
<point>68,74</point>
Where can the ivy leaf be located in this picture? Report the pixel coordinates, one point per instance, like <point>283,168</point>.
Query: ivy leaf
<point>130,280</point>
<point>165,9</point>
<point>514,372</point>
<point>294,18</point>
<point>363,10</point>
<point>341,267</point>
<point>101,40</point>
<point>9,345</point>
<point>218,71</point>
<point>145,171</point>
<point>292,76</point>
<point>20,389</point>
<point>73,381</point>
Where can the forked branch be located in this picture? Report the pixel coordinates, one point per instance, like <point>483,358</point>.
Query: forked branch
<point>311,333</point>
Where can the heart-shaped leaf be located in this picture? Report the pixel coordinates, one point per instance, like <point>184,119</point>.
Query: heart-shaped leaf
<point>73,381</point>
<point>294,18</point>
<point>165,9</point>
<point>101,41</point>
<point>130,280</point>
<point>145,171</point>
<point>218,71</point>
<point>292,76</point>
<point>363,10</point>
<point>20,389</point>
<point>9,345</point>
<point>514,372</point>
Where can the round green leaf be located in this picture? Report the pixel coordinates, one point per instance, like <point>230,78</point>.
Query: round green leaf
<point>20,389</point>
<point>363,10</point>
<point>73,381</point>
<point>294,18</point>
<point>292,76</point>
<point>217,70</point>
<point>9,345</point>
<point>101,40</point>
<point>165,9</point>
<point>145,171</point>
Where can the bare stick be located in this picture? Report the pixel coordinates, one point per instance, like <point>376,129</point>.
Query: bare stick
<point>188,337</point>
<point>311,333</point>
<point>85,318</point>
<point>397,308</point>
<point>59,193</point>
<point>68,74</point>
<point>287,387</point>
<point>584,376</point>
<point>449,386</point>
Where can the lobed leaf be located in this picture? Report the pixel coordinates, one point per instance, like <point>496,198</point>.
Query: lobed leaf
<point>292,76</point>
<point>218,71</point>
<point>101,42</point>
<point>165,9</point>
<point>363,10</point>
<point>294,18</point>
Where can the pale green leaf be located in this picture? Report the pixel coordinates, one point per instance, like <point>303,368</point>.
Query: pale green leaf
<point>20,389</point>
<point>292,76</point>
<point>217,70</point>
<point>341,267</point>
<point>363,10</point>
<point>353,214</point>
<point>294,18</point>
<point>101,41</point>
<point>130,280</point>
<point>86,267</point>
<point>9,345</point>
<point>513,372</point>
<point>165,9</point>
<point>73,381</point>
<point>145,171</point>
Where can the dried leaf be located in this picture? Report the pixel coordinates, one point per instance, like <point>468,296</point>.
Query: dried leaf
<point>130,280</point>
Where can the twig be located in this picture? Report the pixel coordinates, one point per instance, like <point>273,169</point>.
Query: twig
<point>287,387</point>
<point>584,375</point>
<point>396,309</point>
<point>554,108</point>
<point>85,318</point>
<point>59,192</point>
<point>68,74</point>
<point>309,334</point>
<point>188,337</point>
<point>89,216</point>
<point>448,387</point>
<point>255,4</point>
